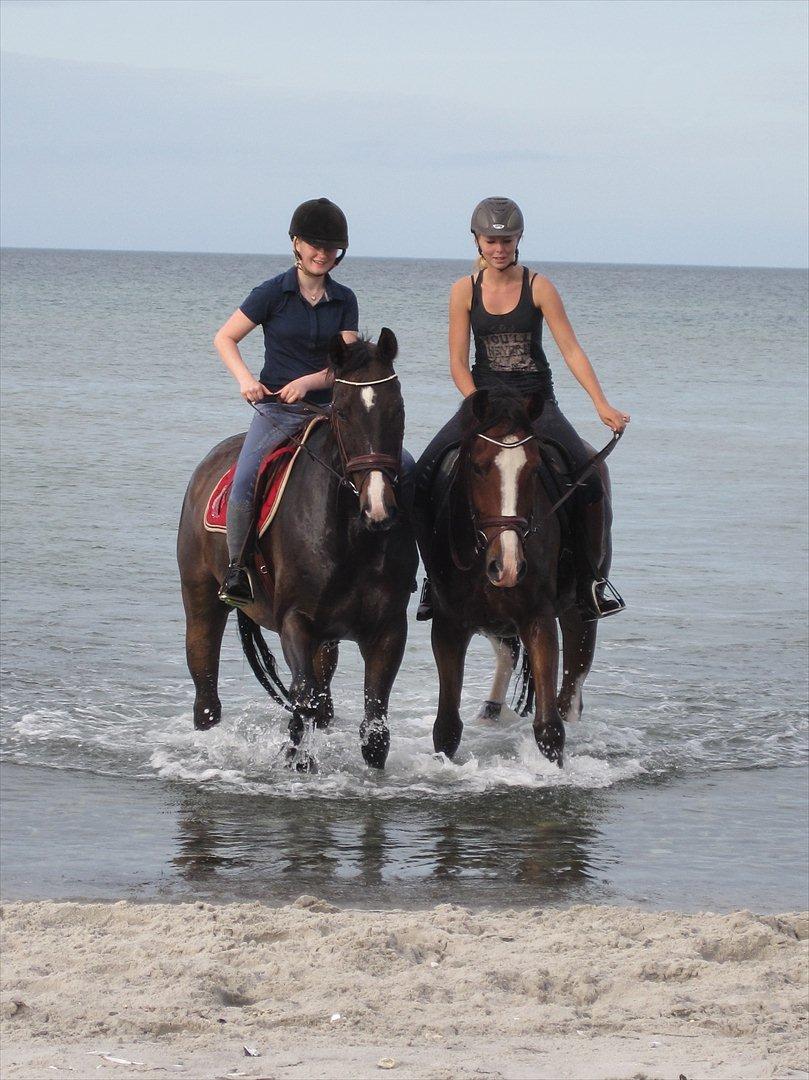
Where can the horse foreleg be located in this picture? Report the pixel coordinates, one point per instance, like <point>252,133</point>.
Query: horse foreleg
<point>578,648</point>
<point>450,643</point>
<point>299,649</point>
<point>505,657</point>
<point>325,664</point>
<point>542,644</point>
<point>382,655</point>
<point>205,619</point>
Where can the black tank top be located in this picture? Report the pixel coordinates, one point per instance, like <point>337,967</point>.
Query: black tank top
<point>508,348</point>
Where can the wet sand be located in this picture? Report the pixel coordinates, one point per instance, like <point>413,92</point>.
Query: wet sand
<point>584,992</point>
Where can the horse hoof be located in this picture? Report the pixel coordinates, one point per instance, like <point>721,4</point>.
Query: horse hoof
<point>204,719</point>
<point>490,710</point>
<point>301,760</point>
<point>375,746</point>
<point>324,716</point>
<point>552,751</point>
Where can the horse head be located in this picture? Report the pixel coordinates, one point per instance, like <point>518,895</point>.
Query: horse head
<point>368,423</point>
<point>500,457</point>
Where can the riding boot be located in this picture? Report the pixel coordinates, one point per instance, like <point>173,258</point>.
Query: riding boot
<point>597,598</point>
<point>425,608</point>
<point>237,588</point>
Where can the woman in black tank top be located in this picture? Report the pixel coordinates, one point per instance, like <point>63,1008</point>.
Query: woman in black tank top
<point>502,307</point>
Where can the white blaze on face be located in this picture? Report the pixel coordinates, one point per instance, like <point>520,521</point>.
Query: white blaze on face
<point>368,395</point>
<point>509,462</point>
<point>375,492</point>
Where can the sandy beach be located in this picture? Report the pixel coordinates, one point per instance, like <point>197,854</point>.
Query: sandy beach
<point>154,990</point>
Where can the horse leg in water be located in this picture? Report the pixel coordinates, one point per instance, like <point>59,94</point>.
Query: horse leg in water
<point>205,618</point>
<point>578,648</point>
<point>541,642</point>
<point>325,664</point>
<point>382,655</point>
<point>506,654</point>
<point>450,642</point>
<point>299,651</point>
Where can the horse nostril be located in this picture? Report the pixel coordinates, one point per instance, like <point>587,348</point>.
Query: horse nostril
<point>494,569</point>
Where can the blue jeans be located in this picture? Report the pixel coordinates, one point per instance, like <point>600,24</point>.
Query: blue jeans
<point>272,424</point>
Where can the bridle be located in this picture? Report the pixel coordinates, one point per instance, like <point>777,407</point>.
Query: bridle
<point>511,523</point>
<point>506,523</point>
<point>385,463</point>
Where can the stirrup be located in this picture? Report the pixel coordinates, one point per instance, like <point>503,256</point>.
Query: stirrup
<point>236,589</point>
<point>425,608</point>
<point>605,600</point>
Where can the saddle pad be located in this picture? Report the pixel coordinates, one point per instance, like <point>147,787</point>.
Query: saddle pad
<point>273,475</point>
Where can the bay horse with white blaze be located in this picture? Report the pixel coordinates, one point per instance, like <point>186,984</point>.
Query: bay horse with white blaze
<point>501,564</point>
<point>340,558</point>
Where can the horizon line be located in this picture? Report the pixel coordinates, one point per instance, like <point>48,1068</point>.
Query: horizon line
<point>403,258</point>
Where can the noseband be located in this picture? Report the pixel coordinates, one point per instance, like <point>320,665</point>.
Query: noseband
<point>384,463</point>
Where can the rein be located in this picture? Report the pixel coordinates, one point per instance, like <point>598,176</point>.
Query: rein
<point>385,463</point>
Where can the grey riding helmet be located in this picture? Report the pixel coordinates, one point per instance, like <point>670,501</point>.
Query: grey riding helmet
<point>322,223</point>
<point>497,216</point>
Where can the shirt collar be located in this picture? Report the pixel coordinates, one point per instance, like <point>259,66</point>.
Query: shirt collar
<point>290,284</point>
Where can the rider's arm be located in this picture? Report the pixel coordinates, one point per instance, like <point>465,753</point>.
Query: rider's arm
<point>549,301</point>
<point>318,380</point>
<point>226,342</point>
<point>460,302</point>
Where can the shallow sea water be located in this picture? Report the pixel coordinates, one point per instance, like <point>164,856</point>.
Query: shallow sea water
<point>685,782</point>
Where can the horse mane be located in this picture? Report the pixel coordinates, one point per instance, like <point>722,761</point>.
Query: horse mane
<point>501,406</point>
<point>358,354</point>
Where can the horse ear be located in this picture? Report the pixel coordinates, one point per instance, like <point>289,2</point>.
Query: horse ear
<point>479,403</point>
<point>387,346</point>
<point>338,350</point>
<point>534,404</point>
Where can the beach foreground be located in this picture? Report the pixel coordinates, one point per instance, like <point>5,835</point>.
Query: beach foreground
<point>585,992</point>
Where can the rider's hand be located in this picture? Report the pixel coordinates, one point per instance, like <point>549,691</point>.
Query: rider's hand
<point>613,418</point>
<point>295,390</point>
<point>252,390</point>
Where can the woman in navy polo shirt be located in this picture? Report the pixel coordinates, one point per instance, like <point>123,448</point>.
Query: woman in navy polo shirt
<point>300,311</point>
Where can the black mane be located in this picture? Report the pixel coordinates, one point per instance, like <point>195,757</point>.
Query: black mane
<point>359,354</point>
<point>486,408</point>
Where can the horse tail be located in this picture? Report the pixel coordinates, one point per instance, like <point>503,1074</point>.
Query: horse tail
<point>261,660</point>
<point>524,687</point>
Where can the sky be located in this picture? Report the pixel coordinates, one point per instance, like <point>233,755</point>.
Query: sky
<point>645,132</point>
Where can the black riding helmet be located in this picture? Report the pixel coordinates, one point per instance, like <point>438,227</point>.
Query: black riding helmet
<point>322,223</point>
<point>497,216</point>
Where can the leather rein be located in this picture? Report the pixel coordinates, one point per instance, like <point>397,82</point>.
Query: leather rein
<point>384,463</point>
<point>520,525</point>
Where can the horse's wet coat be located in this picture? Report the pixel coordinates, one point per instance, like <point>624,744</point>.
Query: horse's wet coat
<point>340,565</point>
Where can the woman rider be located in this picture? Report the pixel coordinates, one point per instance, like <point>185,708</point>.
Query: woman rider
<point>300,311</point>
<point>504,305</point>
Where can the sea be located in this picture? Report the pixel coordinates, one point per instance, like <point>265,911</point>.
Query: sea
<point>685,783</point>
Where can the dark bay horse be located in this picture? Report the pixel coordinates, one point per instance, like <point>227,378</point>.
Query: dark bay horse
<point>500,565</point>
<point>340,554</point>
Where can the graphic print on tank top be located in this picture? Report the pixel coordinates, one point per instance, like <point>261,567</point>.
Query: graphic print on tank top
<point>509,351</point>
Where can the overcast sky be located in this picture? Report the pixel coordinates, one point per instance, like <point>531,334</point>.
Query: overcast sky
<point>664,132</point>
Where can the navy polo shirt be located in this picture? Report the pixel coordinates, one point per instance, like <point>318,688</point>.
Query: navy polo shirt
<point>297,335</point>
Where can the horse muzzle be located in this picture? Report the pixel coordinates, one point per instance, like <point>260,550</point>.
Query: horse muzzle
<point>505,561</point>
<point>378,507</point>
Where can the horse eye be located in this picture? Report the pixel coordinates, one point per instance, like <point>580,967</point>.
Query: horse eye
<point>478,470</point>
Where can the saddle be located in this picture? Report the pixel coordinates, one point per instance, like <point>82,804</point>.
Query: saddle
<point>273,474</point>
